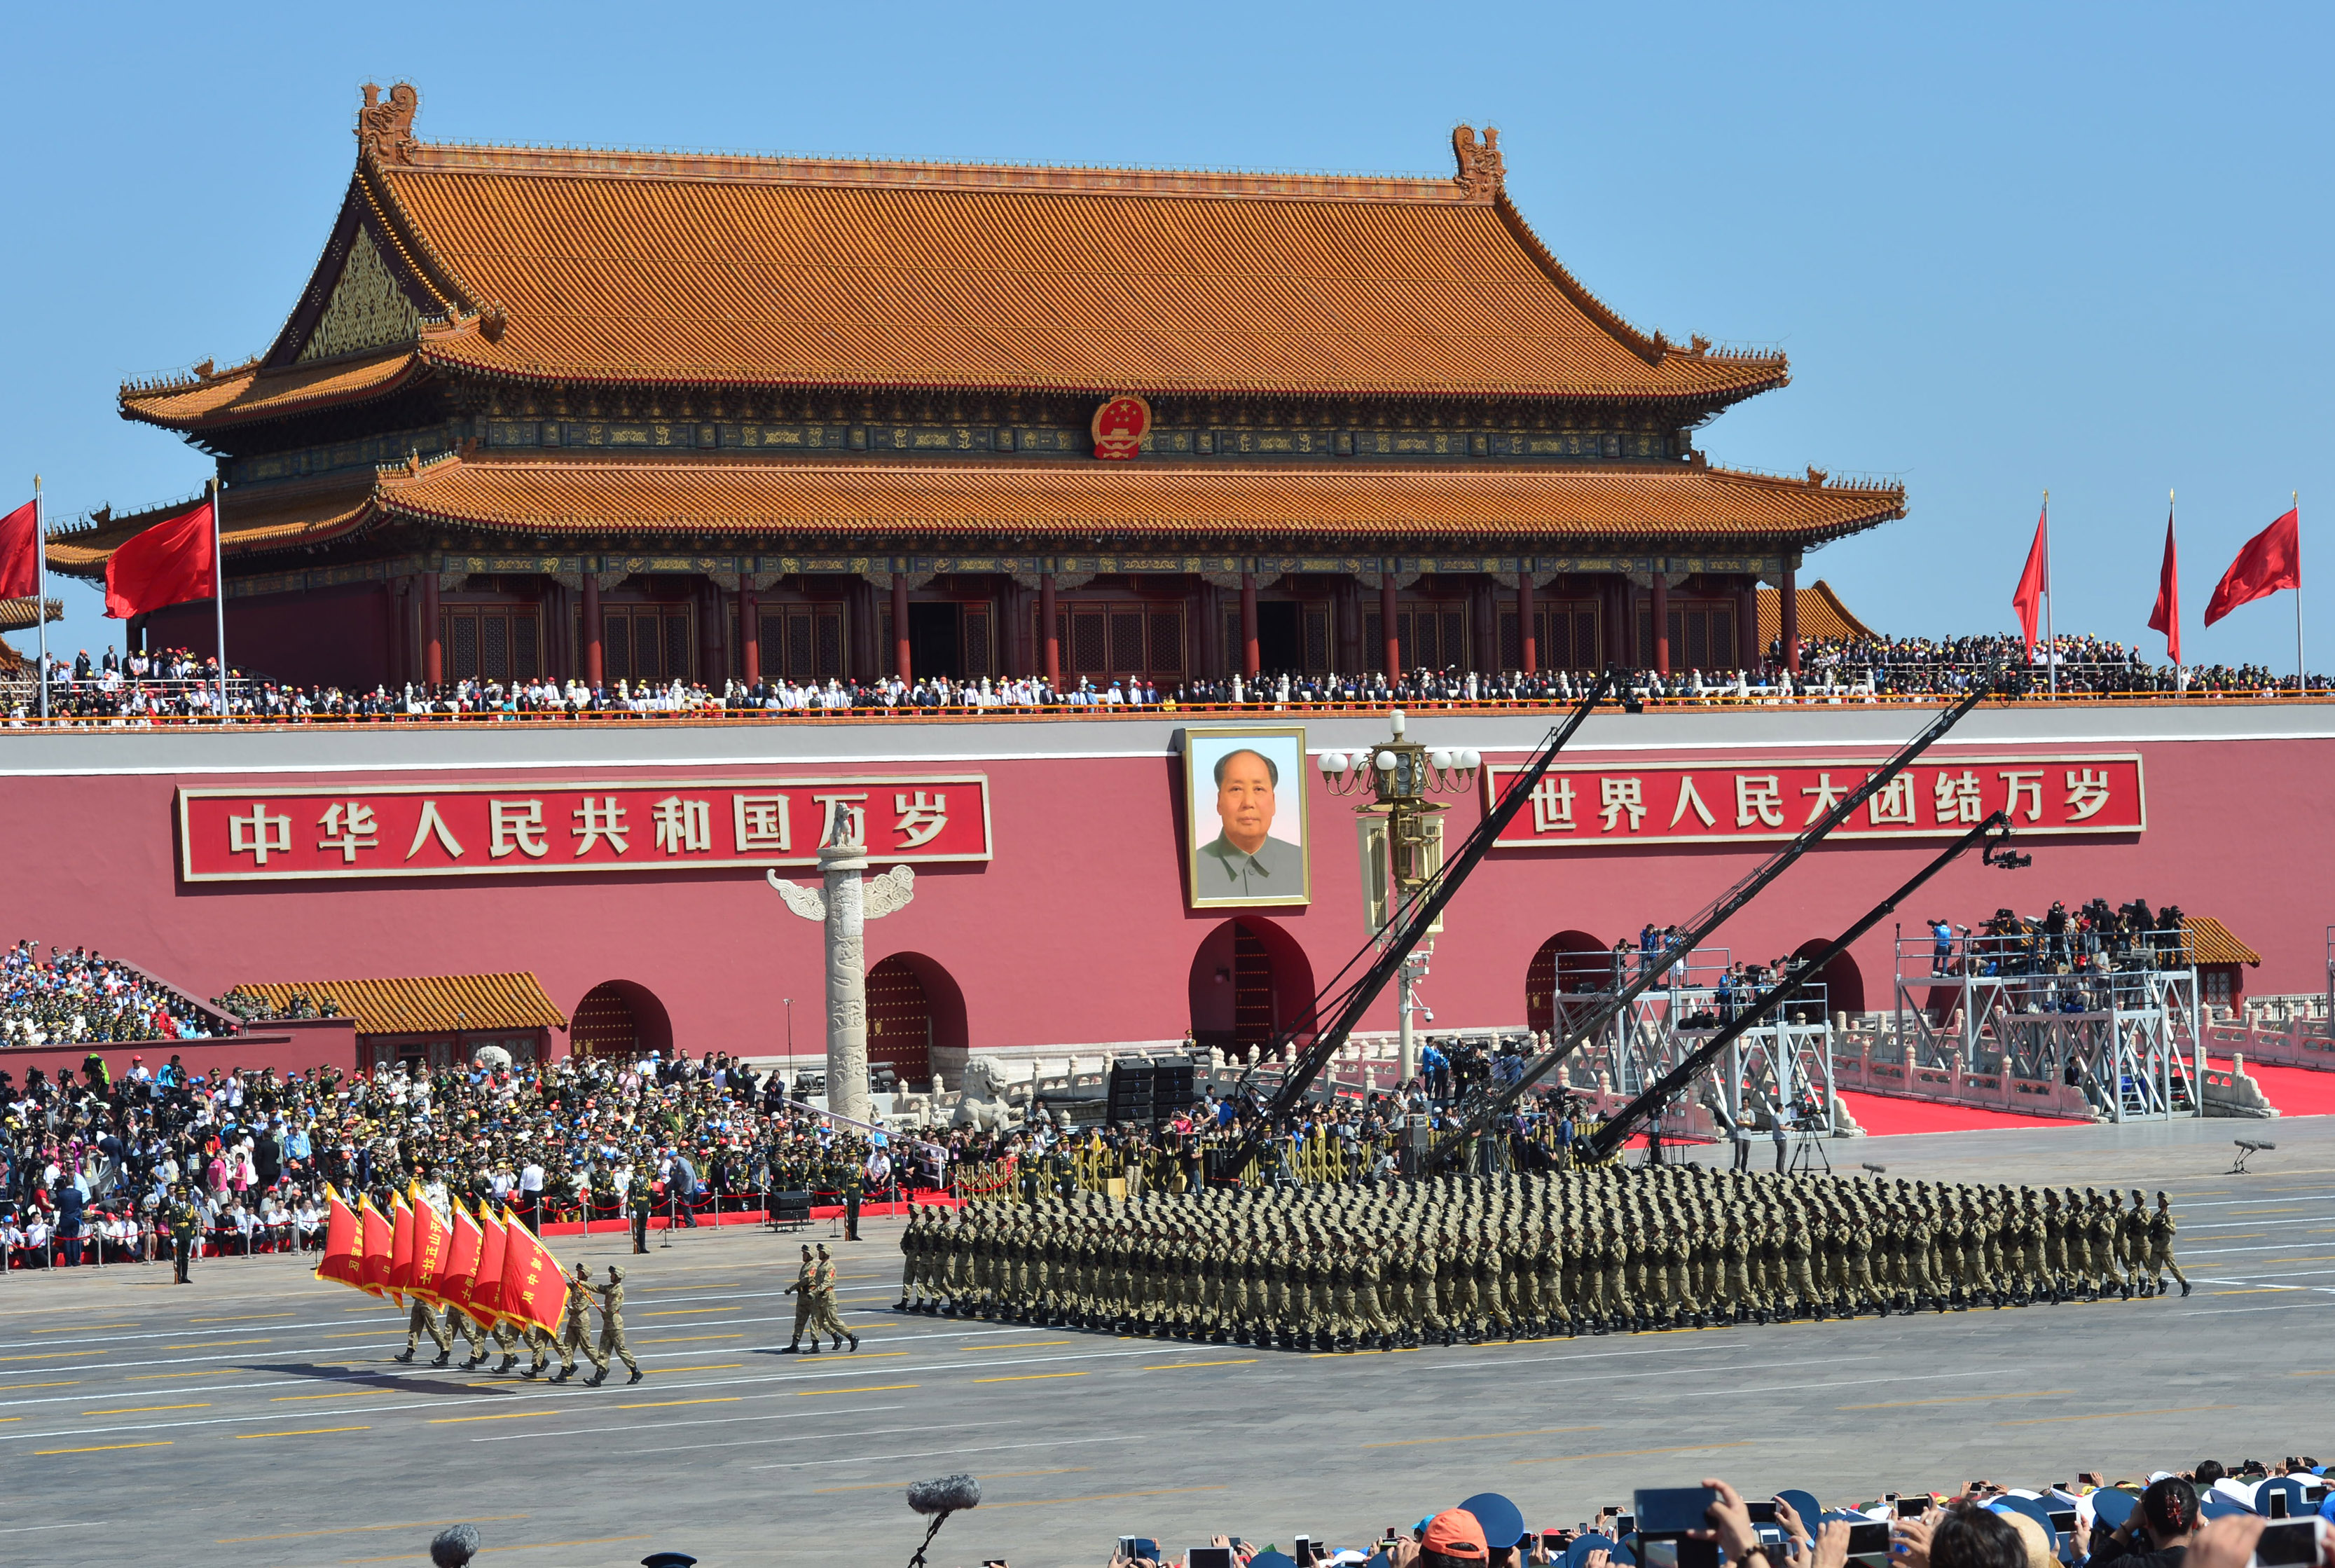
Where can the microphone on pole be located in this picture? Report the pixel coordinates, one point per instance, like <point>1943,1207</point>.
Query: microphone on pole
<point>939,1498</point>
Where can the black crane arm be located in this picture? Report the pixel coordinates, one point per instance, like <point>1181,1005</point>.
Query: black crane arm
<point>1623,1122</point>
<point>1724,908</point>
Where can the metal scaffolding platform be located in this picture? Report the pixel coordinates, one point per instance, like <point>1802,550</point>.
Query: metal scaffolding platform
<point>2131,1037</point>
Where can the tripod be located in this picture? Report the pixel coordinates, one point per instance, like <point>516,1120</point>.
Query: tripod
<point>1811,1152</point>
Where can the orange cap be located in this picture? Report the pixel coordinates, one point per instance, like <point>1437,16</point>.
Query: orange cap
<point>1455,1533</point>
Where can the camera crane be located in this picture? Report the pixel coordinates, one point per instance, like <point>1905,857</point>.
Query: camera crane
<point>1489,1108</point>
<point>1995,832</point>
<point>1406,925</point>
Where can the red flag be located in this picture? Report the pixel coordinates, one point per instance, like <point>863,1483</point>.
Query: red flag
<point>463,1266</point>
<point>2272,560</point>
<point>2034,581</point>
<point>400,1249</point>
<point>486,1295</point>
<point>20,552</point>
<point>167,564</point>
<point>533,1292</point>
<point>430,1240</point>
<point>374,1233</point>
<point>2166,616</point>
<point>340,1263</point>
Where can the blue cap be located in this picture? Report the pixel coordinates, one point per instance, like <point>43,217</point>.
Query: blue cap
<point>1503,1521</point>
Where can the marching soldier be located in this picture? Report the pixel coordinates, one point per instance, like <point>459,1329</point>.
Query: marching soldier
<point>612,1328</point>
<point>805,1291</point>
<point>827,1318</point>
<point>422,1319</point>
<point>572,1327</point>
<point>2161,1229</point>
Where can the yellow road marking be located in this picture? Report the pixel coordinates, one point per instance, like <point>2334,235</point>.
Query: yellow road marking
<point>879,1388</point>
<point>660,1403</point>
<point>684,1339</point>
<point>360,1529</point>
<point>52,1356</point>
<point>506,1416</point>
<point>2256,1291</point>
<point>307,1432</point>
<point>1957,1400</point>
<point>691,1311</point>
<point>529,1546</point>
<point>711,1285</point>
<point>68,1383</point>
<point>2327,1374</point>
<point>1025,1345</point>
<point>1105,1497</point>
<point>1630,1453</point>
<point>217,1344</point>
<point>144,1410</point>
<point>86,1328</point>
<point>1480,1437</point>
<point>1177,1366</point>
<point>158,1377</point>
<point>2113,1415</point>
<point>1028,1377</point>
<point>364,1333</point>
<point>718,1366</point>
<point>352,1394</point>
<point>240,1318</point>
<point>100,1449</point>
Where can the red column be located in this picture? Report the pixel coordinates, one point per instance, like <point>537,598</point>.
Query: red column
<point>900,627</point>
<point>749,636</point>
<point>1248,624</point>
<point>433,651</point>
<point>1789,607</point>
<point>1662,623</point>
<point>1527,645</point>
<point>1049,632</point>
<point>591,665</point>
<point>1387,625</point>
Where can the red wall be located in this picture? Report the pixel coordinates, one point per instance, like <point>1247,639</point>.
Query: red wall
<point>347,645</point>
<point>1077,932</point>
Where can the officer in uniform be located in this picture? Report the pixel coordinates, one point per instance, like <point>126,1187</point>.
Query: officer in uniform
<point>638,1201</point>
<point>185,1228</point>
<point>612,1326</point>
<point>2161,1229</point>
<point>853,1190</point>
<point>572,1327</point>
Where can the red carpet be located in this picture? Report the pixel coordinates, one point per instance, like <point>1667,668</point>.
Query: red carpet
<point>2295,1090</point>
<point>1882,1114</point>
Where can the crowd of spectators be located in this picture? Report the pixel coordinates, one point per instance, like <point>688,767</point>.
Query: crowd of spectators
<point>2212,1516</point>
<point>178,684</point>
<point>69,998</point>
<point>89,1158</point>
<point>2067,958</point>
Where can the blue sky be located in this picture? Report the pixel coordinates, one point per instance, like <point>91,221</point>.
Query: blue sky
<point>2009,247</point>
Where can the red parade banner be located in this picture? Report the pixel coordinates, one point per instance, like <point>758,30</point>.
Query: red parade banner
<point>533,827</point>
<point>1737,802</point>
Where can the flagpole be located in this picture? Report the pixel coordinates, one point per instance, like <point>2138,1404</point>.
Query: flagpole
<point>40,588</point>
<point>2302,680</point>
<point>2172,504</point>
<point>2050,642</point>
<point>218,594</point>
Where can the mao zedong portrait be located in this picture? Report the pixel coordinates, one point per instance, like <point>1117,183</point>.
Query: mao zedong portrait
<point>1245,860</point>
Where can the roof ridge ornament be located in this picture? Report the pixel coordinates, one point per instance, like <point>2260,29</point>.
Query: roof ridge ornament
<point>1483,172</point>
<point>385,130</point>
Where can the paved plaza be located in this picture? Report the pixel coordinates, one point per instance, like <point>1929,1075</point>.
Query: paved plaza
<point>255,1417</point>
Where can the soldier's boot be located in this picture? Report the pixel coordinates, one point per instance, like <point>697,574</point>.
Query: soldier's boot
<point>2184,1287</point>
<point>902,1305</point>
<point>599,1376</point>
<point>508,1362</point>
<point>794,1348</point>
<point>564,1374</point>
<point>811,1349</point>
<point>855,1340</point>
<point>635,1377</point>
<point>443,1357</point>
<point>407,1356</point>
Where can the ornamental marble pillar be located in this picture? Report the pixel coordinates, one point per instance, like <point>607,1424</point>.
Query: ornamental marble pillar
<point>843,903</point>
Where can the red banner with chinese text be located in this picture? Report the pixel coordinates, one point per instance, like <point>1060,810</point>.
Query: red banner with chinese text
<point>532,827</point>
<point>1734,802</point>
